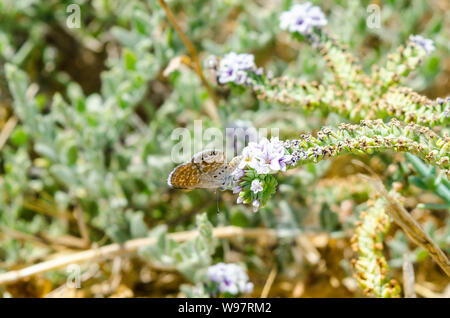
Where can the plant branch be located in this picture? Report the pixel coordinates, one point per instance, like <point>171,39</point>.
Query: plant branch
<point>210,109</point>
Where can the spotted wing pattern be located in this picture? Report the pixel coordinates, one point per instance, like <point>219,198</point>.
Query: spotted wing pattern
<point>207,169</point>
<point>185,176</point>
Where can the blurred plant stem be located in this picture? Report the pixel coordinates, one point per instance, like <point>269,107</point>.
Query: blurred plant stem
<point>408,277</point>
<point>131,246</point>
<point>7,129</point>
<point>269,282</point>
<point>82,226</point>
<point>209,108</point>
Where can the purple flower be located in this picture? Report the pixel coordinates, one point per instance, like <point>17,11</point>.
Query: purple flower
<point>233,67</point>
<point>259,71</point>
<point>270,159</point>
<point>230,278</point>
<point>426,44</point>
<point>261,167</point>
<point>266,156</point>
<point>296,156</point>
<point>256,186</point>
<point>239,200</point>
<point>237,174</point>
<point>227,73</point>
<point>245,61</point>
<point>302,18</point>
<point>237,189</point>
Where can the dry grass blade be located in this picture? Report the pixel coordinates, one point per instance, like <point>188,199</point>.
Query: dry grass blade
<point>210,109</point>
<point>269,282</point>
<point>82,226</point>
<point>411,228</point>
<point>408,277</point>
<point>110,251</point>
<point>7,129</point>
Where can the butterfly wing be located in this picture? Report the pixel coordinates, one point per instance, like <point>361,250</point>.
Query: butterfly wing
<point>209,157</point>
<point>213,167</point>
<point>206,169</point>
<point>184,176</point>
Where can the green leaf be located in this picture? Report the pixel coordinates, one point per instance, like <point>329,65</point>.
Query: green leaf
<point>130,60</point>
<point>19,137</point>
<point>138,228</point>
<point>72,155</point>
<point>238,218</point>
<point>329,220</point>
<point>46,151</point>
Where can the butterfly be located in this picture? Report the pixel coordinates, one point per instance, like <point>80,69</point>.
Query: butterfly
<point>207,169</point>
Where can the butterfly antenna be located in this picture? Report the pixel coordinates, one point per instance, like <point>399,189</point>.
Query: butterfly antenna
<point>217,197</point>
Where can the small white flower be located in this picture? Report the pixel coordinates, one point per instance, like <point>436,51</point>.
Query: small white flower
<point>241,77</point>
<point>266,156</point>
<point>256,186</point>
<point>237,189</point>
<point>237,174</point>
<point>302,18</point>
<point>233,67</point>
<point>248,154</point>
<point>230,278</point>
<point>426,44</point>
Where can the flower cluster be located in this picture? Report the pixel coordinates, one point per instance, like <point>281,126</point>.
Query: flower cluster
<point>370,136</point>
<point>302,18</point>
<point>265,156</point>
<point>426,44</point>
<point>235,67</point>
<point>355,94</point>
<point>230,279</point>
<point>255,182</point>
<point>253,176</point>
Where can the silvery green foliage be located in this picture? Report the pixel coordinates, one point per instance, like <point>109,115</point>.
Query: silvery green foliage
<point>399,244</point>
<point>428,178</point>
<point>191,257</point>
<point>93,150</point>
